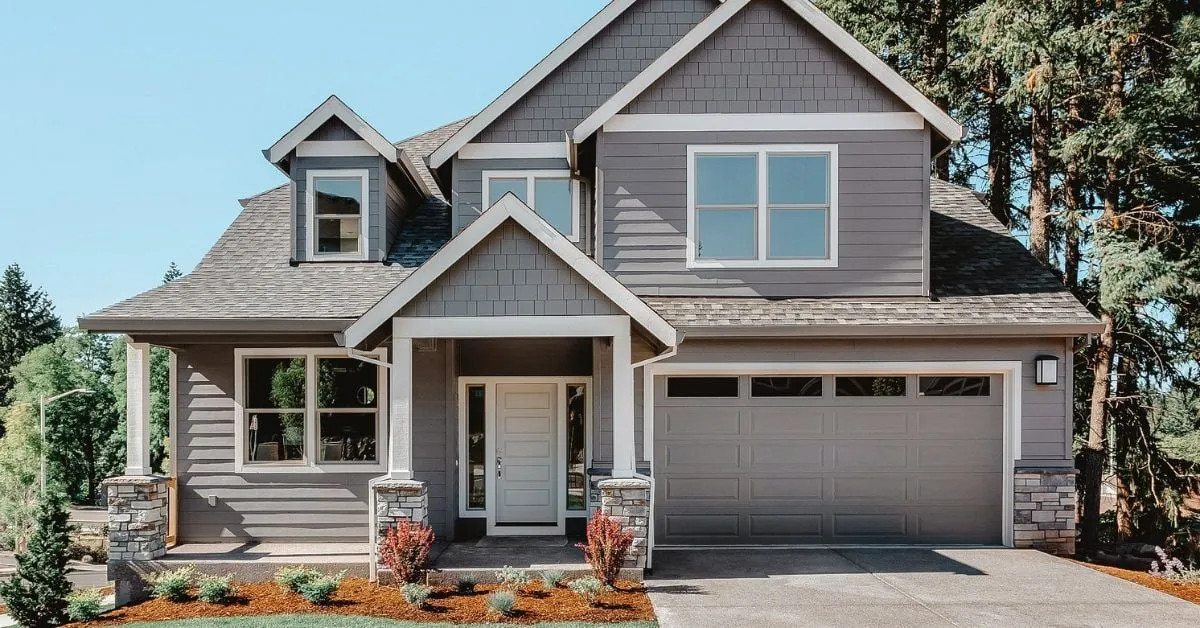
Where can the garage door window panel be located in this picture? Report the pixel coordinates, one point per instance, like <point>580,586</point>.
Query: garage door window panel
<point>871,386</point>
<point>955,386</point>
<point>785,386</point>
<point>702,387</point>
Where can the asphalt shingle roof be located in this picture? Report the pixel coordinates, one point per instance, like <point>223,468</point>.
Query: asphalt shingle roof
<point>980,274</point>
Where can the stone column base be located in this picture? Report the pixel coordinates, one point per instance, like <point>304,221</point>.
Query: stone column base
<point>399,500</point>
<point>137,528</point>
<point>1044,510</point>
<point>627,500</point>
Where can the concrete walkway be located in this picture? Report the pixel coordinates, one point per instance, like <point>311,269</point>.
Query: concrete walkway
<point>898,587</point>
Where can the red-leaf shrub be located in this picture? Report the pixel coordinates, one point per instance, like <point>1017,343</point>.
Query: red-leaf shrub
<point>606,547</point>
<point>405,550</point>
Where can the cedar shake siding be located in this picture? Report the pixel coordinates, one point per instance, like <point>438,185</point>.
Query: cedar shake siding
<point>594,73</point>
<point>883,206</point>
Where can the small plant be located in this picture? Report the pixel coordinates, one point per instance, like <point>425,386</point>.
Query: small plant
<point>84,605</point>
<point>551,578</point>
<point>465,583</point>
<point>215,589</point>
<point>405,550</point>
<point>589,588</point>
<point>1172,569</point>
<point>319,590</point>
<point>416,594</point>
<point>292,578</point>
<point>512,578</point>
<point>172,585</point>
<point>37,594</point>
<point>606,547</point>
<point>502,602</point>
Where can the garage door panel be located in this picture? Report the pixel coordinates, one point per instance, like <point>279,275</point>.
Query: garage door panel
<point>872,422</point>
<point>829,470</point>
<point>773,490</point>
<point>787,421</point>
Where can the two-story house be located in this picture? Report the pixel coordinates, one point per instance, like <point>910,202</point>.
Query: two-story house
<point>691,269</point>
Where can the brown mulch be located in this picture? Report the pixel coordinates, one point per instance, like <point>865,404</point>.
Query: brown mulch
<point>1188,591</point>
<point>357,596</point>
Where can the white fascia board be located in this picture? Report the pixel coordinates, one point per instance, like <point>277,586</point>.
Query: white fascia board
<point>531,150</point>
<point>526,83</point>
<point>333,106</point>
<point>649,122</point>
<point>414,171</point>
<point>508,207</point>
<point>937,118</point>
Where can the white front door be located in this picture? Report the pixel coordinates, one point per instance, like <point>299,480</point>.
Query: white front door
<point>526,454</point>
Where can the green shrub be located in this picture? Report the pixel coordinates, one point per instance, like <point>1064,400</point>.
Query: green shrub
<point>37,594</point>
<point>512,578</point>
<point>416,594</point>
<point>292,578</point>
<point>319,590</point>
<point>589,588</point>
<point>465,583</point>
<point>215,589</point>
<point>502,602</point>
<point>172,585</point>
<point>551,578</point>
<point>84,605</point>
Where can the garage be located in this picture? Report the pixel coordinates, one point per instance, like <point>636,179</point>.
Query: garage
<point>838,459</point>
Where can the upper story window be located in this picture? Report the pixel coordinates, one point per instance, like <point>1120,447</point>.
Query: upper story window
<point>551,193</point>
<point>769,206</point>
<point>337,214</point>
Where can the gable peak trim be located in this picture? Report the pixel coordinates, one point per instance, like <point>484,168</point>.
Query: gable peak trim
<point>509,207</point>
<point>911,96</point>
<point>331,108</point>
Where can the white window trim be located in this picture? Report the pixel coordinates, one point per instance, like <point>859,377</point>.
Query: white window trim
<point>310,463</point>
<point>529,176</point>
<point>762,214</point>
<point>488,512</point>
<point>310,208</point>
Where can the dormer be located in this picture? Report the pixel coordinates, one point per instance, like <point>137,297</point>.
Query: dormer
<point>351,188</point>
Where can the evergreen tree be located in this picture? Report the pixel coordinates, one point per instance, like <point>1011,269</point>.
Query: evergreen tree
<point>172,273</point>
<point>36,595</point>
<point>26,320</point>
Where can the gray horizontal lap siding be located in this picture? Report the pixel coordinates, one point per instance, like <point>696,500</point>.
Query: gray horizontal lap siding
<point>510,273</point>
<point>295,506</point>
<point>1045,426</point>
<point>766,59</point>
<point>470,202</point>
<point>376,188</point>
<point>883,187</point>
<point>604,65</point>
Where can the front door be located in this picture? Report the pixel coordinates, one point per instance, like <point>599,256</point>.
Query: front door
<point>526,454</point>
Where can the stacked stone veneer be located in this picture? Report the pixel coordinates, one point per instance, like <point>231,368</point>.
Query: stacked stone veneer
<point>1044,510</point>
<point>627,500</point>
<point>137,517</point>
<point>400,500</point>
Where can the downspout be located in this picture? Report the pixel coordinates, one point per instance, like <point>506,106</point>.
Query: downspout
<point>373,517</point>
<point>648,435</point>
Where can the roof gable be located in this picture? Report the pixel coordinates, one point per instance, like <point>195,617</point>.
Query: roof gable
<point>508,208</point>
<point>820,22</point>
<point>333,107</point>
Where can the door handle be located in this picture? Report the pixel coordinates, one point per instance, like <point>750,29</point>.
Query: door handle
<point>499,467</point>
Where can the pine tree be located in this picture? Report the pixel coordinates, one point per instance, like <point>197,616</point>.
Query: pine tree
<point>36,595</point>
<point>26,320</point>
<point>172,273</point>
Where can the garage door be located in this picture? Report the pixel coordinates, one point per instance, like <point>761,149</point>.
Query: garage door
<point>830,459</point>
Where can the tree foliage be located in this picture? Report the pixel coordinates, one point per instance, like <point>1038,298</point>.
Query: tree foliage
<point>20,451</point>
<point>26,320</point>
<point>36,595</point>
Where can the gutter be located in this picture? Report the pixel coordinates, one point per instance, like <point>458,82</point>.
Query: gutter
<point>1070,330</point>
<point>122,324</point>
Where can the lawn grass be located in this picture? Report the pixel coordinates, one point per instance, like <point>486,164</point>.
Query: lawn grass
<point>348,621</point>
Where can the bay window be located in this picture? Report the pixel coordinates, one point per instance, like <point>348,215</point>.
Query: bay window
<point>307,410</point>
<point>762,206</point>
<point>552,194</point>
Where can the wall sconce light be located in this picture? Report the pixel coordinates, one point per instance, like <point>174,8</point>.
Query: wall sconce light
<point>1047,370</point>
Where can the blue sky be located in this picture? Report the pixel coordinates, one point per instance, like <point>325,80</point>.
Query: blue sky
<point>128,130</point>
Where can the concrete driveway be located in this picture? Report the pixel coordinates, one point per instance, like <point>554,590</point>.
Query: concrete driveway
<point>898,587</point>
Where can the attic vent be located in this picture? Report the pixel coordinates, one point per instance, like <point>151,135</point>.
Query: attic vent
<point>425,345</point>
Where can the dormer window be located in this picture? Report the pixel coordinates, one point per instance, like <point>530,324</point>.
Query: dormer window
<point>337,216</point>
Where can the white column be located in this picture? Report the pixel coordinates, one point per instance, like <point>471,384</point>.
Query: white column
<point>400,439</point>
<point>622,384</point>
<point>137,409</point>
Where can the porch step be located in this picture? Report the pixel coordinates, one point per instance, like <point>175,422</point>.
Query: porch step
<point>509,542</point>
<point>483,558</point>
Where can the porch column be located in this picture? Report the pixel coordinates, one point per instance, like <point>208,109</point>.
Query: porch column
<point>400,441</point>
<point>624,456</point>
<point>137,409</point>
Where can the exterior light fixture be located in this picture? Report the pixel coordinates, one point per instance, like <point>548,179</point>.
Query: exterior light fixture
<point>1047,370</point>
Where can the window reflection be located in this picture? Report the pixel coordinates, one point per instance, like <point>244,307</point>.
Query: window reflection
<point>576,447</point>
<point>476,443</point>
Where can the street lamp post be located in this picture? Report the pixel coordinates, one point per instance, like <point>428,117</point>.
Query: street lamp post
<point>45,401</point>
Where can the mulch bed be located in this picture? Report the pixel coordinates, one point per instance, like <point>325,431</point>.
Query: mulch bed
<point>357,596</point>
<point>1189,591</point>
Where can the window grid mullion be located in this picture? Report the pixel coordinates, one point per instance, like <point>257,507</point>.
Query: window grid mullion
<point>310,403</point>
<point>761,217</point>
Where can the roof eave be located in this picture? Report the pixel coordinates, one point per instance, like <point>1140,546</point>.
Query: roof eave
<point>142,325</point>
<point>928,330</point>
